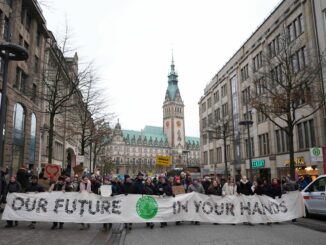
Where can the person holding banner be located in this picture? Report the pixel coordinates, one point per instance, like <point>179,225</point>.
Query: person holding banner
<point>149,189</point>
<point>164,189</point>
<point>229,188</point>
<point>128,188</point>
<point>34,187</point>
<point>58,186</point>
<point>85,185</point>
<point>12,187</point>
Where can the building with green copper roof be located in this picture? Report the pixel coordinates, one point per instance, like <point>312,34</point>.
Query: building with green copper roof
<point>136,150</point>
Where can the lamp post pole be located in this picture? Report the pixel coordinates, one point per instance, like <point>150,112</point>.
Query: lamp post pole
<point>248,123</point>
<point>8,51</point>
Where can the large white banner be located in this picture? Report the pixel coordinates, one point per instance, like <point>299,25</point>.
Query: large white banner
<point>90,208</point>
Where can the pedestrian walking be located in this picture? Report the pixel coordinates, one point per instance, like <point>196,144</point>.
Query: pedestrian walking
<point>58,186</point>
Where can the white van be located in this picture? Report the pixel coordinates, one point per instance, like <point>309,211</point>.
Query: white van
<point>314,196</point>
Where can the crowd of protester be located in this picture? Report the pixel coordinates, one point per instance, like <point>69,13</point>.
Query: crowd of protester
<point>161,185</point>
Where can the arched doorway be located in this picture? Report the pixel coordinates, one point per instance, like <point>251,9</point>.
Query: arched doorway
<point>71,160</point>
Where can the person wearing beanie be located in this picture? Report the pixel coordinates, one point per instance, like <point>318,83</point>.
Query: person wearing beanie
<point>12,187</point>
<point>34,187</point>
<point>128,188</point>
<point>58,186</point>
<point>164,189</point>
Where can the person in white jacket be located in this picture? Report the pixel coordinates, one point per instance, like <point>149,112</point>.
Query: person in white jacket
<point>230,187</point>
<point>85,185</point>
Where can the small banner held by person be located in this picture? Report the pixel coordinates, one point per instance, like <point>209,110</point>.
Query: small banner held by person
<point>86,207</point>
<point>176,190</point>
<point>78,170</point>
<point>52,171</point>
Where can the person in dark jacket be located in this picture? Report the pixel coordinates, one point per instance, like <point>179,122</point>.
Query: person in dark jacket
<point>260,188</point>
<point>164,189</point>
<point>149,189</point>
<point>139,184</point>
<point>34,187</point>
<point>274,190</point>
<point>206,183</point>
<point>96,184</point>
<point>215,188</point>
<point>12,187</point>
<point>244,186</point>
<point>23,176</point>
<point>3,184</point>
<point>58,186</point>
<point>128,188</point>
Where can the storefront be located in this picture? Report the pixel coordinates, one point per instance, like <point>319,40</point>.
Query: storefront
<point>303,167</point>
<point>260,169</point>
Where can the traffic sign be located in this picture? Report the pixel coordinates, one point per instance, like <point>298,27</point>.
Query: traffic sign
<point>316,154</point>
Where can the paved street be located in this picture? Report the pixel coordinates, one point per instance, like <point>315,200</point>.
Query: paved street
<point>205,234</point>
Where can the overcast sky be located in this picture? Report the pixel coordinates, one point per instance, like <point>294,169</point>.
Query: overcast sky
<point>131,42</point>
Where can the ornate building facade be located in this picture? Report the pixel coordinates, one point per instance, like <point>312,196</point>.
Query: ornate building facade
<point>131,151</point>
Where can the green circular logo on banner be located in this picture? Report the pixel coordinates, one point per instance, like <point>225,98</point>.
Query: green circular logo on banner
<point>316,151</point>
<point>146,207</point>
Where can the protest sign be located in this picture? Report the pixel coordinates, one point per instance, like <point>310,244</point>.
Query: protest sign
<point>86,207</point>
<point>178,190</point>
<point>52,171</point>
<point>106,190</point>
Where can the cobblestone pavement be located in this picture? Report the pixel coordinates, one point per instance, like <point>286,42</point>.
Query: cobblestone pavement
<point>208,234</point>
<point>43,235</point>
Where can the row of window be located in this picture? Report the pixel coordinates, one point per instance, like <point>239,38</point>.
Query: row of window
<point>305,135</point>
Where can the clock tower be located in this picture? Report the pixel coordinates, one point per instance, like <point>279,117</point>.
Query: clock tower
<point>173,112</point>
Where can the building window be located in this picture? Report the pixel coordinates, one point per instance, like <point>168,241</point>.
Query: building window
<point>244,73</point>
<point>217,114</point>
<point>263,144</point>
<point>216,96</point>
<point>34,92</point>
<point>296,28</point>
<point>211,157</point>
<point>224,90</point>
<point>306,134</point>
<point>261,117</point>
<point>205,139</point>
<point>209,102</point>
<point>21,80</point>
<point>210,119</point>
<point>282,141</point>
<point>225,110</point>
<point>205,158</point>
<point>219,154</point>
<point>245,95</point>
<point>299,59</point>
<point>257,61</point>
<point>6,33</point>
<point>28,22</point>
<point>247,117</point>
<point>18,137</point>
<point>203,107</point>
<point>204,122</point>
<point>252,147</point>
<point>36,64</point>
<point>261,86</point>
<point>274,46</point>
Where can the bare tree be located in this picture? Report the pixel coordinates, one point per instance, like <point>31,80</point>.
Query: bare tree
<point>288,86</point>
<point>61,82</point>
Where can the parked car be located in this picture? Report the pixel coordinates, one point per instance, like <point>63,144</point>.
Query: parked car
<point>314,196</point>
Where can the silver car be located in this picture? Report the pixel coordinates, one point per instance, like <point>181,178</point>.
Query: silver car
<point>314,196</point>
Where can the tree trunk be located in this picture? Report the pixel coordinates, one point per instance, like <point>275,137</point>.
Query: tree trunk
<point>291,153</point>
<point>51,136</point>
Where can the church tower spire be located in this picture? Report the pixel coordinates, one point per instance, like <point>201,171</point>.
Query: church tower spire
<point>173,112</point>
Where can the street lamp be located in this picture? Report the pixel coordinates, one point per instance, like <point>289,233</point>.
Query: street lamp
<point>8,51</point>
<point>222,132</point>
<point>248,123</point>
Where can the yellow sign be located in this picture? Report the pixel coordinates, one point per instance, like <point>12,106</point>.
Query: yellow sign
<point>164,161</point>
<point>299,161</point>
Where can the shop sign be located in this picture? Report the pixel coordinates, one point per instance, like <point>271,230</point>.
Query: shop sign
<point>316,154</point>
<point>258,163</point>
<point>299,161</point>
